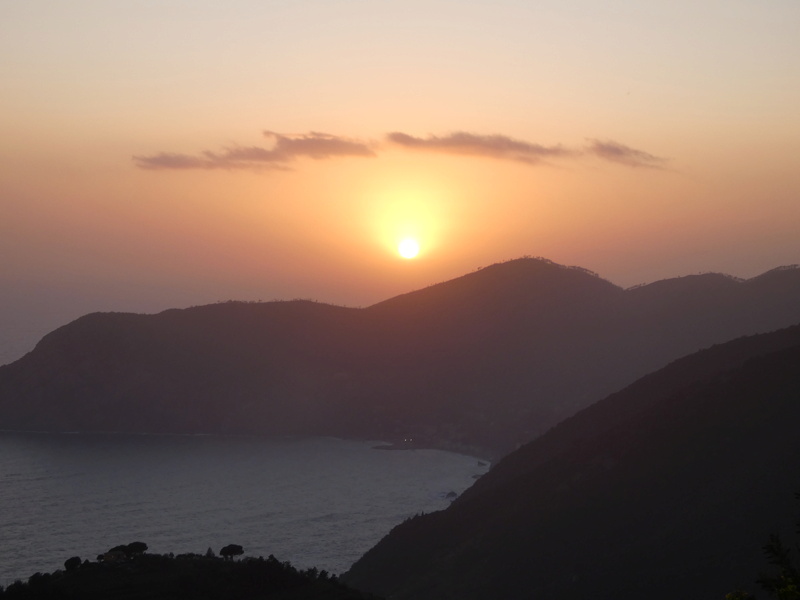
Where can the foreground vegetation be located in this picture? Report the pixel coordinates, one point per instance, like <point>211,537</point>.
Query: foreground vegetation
<point>783,582</point>
<point>129,573</point>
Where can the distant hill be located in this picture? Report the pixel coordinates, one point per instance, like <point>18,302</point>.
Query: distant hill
<point>481,363</point>
<point>667,489</point>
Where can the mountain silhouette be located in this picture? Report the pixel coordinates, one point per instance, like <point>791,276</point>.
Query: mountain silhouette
<point>667,489</point>
<point>481,363</point>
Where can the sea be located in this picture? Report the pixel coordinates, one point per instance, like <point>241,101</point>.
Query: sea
<point>315,502</point>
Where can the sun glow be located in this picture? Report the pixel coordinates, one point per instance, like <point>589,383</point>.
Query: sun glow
<point>408,248</point>
<point>408,219</point>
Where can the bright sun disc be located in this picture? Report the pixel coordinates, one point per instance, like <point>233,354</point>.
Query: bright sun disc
<point>408,248</point>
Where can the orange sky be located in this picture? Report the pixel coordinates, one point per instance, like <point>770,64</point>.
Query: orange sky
<point>159,154</point>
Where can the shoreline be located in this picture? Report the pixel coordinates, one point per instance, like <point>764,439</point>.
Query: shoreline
<point>482,455</point>
<point>379,443</point>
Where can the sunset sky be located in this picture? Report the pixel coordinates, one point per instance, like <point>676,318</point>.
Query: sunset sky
<point>158,154</point>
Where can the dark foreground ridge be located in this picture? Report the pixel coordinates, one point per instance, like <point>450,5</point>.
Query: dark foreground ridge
<point>128,573</point>
<point>478,364</point>
<point>667,489</point>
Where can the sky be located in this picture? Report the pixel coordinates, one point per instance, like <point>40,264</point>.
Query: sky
<point>158,154</point>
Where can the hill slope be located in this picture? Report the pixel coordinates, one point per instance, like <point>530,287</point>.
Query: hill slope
<point>666,489</point>
<point>483,362</point>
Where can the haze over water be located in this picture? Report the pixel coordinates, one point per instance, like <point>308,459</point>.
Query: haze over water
<point>317,502</point>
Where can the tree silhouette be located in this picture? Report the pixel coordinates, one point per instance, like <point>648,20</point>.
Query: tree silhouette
<point>231,550</point>
<point>783,585</point>
<point>72,563</point>
<point>132,549</point>
<point>136,548</point>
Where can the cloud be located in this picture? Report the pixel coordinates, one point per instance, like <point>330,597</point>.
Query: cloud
<point>318,145</point>
<point>619,153</point>
<point>286,148</point>
<point>170,160</point>
<point>493,146</point>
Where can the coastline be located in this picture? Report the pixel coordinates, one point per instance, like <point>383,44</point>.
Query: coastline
<point>482,455</point>
<point>400,443</point>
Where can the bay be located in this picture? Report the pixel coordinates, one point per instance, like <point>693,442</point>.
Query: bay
<point>318,502</point>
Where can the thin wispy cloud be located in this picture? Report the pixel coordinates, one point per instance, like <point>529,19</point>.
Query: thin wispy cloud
<point>318,145</point>
<point>172,160</point>
<point>285,149</point>
<point>492,146</point>
<point>619,153</point>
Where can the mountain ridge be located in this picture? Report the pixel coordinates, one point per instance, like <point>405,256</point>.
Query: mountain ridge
<point>480,363</point>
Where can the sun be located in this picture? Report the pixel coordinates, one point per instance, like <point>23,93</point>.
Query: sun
<point>408,248</point>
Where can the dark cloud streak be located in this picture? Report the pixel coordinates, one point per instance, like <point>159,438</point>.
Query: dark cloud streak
<point>492,146</point>
<point>171,160</point>
<point>322,146</point>
<point>619,153</point>
<point>286,149</point>
<point>318,145</point>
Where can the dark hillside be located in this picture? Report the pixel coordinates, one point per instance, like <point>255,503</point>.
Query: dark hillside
<point>517,285</point>
<point>201,369</point>
<point>481,363</point>
<point>667,489</point>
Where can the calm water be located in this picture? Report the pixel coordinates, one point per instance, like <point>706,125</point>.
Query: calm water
<point>315,502</point>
